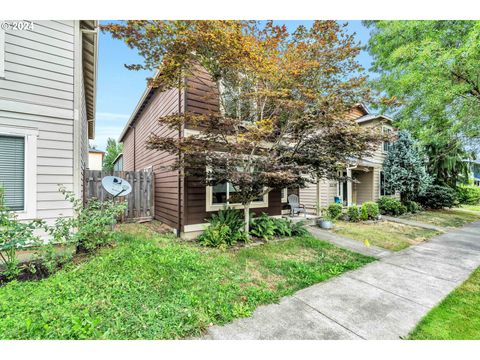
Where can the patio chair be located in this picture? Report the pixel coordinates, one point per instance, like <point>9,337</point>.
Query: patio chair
<point>295,206</point>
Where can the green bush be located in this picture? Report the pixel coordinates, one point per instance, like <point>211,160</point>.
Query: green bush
<point>438,197</point>
<point>468,194</point>
<point>298,228</point>
<point>216,235</point>
<point>390,206</point>
<point>14,235</point>
<point>412,207</point>
<point>226,228</point>
<point>371,209</point>
<point>353,213</point>
<point>363,213</point>
<point>283,227</point>
<point>334,211</point>
<point>263,227</point>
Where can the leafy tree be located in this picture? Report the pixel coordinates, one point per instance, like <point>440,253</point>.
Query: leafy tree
<point>430,69</point>
<point>112,151</point>
<point>404,169</point>
<point>281,100</point>
<point>430,76</point>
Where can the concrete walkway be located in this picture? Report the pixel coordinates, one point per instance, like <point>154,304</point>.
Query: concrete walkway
<point>382,300</point>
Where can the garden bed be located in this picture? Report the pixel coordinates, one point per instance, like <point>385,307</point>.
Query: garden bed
<point>384,234</point>
<point>156,287</point>
<point>452,218</point>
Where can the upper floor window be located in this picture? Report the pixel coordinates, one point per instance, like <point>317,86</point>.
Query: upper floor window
<point>387,144</point>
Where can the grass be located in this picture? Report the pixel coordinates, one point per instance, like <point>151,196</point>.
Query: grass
<point>446,218</point>
<point>474,208</point>
<point>155,287</point>
<point>457,317</point>
<point>384,234</point>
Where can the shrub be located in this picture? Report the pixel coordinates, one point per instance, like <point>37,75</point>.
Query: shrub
<point>390,206</point>
<point>226,228</point>
<point>363,213</point>
<point>412,207</point>
<point>353,213</point>
<point>438,197</point>
<point>299,229</point>
<point>334,211</point>
<point>216,235</point>
<point>468,194</point>
<point>371,209</point>
<point>263,227</point>
<point>14,235</point>
<point>282,227</point>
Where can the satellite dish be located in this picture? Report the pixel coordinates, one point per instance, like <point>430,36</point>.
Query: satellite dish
<point>116,186</point>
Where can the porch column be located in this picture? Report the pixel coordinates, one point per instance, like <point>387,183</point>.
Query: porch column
<point>349,188</point>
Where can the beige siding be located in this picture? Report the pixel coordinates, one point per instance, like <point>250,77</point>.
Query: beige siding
<point>37,92</point>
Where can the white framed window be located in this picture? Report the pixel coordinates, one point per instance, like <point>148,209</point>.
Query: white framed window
<point>223,194</point>
<point>284,195</point>
<point>383,192</point>
<point>18,170</point>
<point>386,144</point>
<point>2,53</point>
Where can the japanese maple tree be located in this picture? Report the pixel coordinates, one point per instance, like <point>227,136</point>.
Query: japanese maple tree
<point>282,100</point>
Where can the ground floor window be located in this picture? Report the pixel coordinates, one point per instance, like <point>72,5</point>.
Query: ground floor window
<point>12,171</point>
<point>383,191</point>
<point>225,194</point>
<point>18,170</point>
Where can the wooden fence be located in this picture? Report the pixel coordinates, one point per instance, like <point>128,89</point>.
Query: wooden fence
<point>140,200</point>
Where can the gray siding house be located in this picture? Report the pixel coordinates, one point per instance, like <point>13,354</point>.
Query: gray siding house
<point>47,113</point>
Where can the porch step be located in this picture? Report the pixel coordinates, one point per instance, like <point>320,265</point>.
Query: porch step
<point>308,220</point>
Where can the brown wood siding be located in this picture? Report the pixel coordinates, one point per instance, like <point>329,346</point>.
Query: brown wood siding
<point>355,113</point>
<point>202,98</point>
<point>196,198</point>
<point>166,181</point>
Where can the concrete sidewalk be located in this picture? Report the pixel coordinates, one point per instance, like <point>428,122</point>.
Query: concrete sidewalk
<point>382,300</point>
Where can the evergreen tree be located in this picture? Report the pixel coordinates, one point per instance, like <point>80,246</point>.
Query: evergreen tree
<point>112,151</point>
<point>404,169</point>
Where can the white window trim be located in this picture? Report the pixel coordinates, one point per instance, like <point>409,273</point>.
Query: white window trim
<point>384,128</point>
<point>284,195</point>
<point>30,196</point>
<point>2,53</point>
<point>215,207</point>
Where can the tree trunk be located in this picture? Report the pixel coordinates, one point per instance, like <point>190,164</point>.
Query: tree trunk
<point>246,218</point>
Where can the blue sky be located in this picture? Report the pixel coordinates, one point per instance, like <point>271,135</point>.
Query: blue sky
<point>119,89</point>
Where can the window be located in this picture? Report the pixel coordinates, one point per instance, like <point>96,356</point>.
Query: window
<point>387,144</point>
<point>284,195</point>
<point>2,53</point>
<point>18,170</point>
<point>12,171</point>
<point>383,191</point>
<point>224,193</point>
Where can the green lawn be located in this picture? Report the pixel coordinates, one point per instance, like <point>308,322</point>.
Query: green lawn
<point>385,234</point>
<point>475,208</point>
<point>457,317</point>
<point>155,287</point>
<point>447,218</point>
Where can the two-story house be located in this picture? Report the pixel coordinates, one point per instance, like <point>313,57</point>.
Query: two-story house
<point>367,180</point>
<point>48,73</point>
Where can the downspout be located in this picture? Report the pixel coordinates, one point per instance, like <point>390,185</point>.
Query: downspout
<point>180,172</point>
<point>134,147</point>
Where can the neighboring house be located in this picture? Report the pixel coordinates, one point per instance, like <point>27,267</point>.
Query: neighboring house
<point>368,184</point>
<point>182,202</point>
<point>47,111</point>
<point>95,159</point>
<point>474,171</point>
<point>118,163</point>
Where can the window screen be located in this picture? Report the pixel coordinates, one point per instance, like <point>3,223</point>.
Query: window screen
<point>12,171</point>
